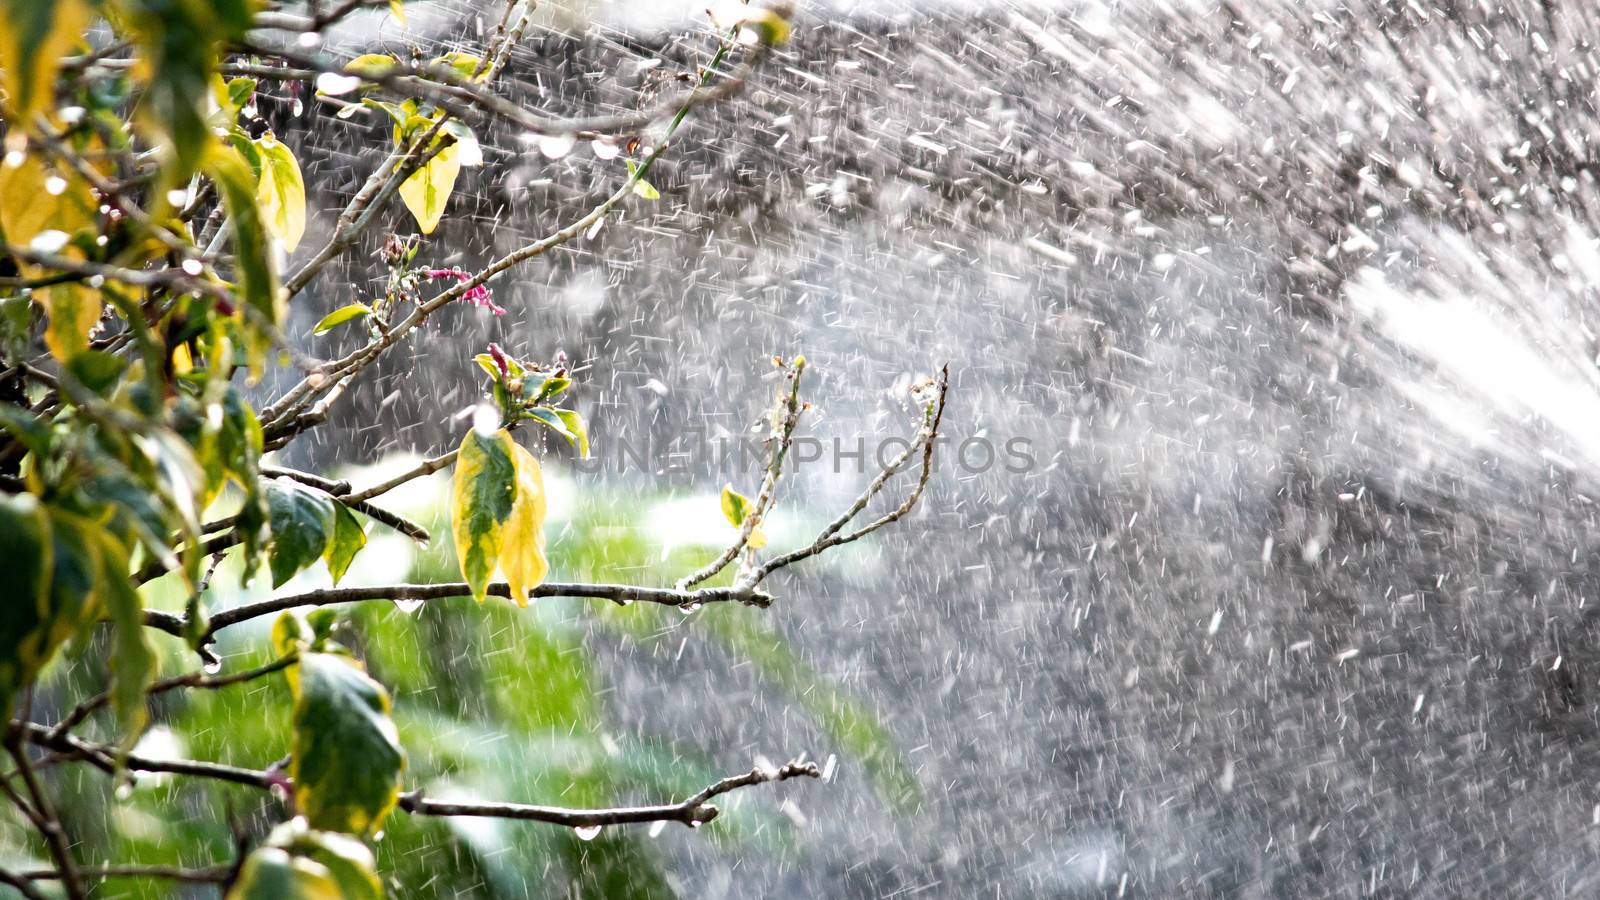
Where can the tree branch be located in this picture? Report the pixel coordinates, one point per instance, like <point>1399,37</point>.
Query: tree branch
<point>693,812</point>
<point>208,875</point>
<point>927,438</point>
<point>46,822</point>
<point>790,409</point>
<point>198,680</point>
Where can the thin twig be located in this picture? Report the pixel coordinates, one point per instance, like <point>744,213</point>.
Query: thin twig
<point>926,440</point>
<point>21,885</point>
<point>420,470</point>
<point>198,680</point>
<point>693,812</point>
<point>789,407</point>
<point>282,413</point>
<point>208,875</point>
<point>46,822</point>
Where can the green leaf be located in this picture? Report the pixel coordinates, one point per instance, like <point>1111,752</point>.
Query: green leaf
<point>340,316</point>
<point>254,270</point>
<point>179,41</point>
<point>641,187</point>
<point>133,662</point>
<point>546,416</point>
<point>577,428</point>
<point>28,547</point>
<point>769,26</point>
<point>348,539</point>
<point>428,189</point>
<point>96,370</point>
<point>240,90</point>
<point>394,110</point>
<point>281,192</point>
<point>347,859</point>
<point>36,34</point>
<point>271,873</point>
<point>347,757</point>
<point>302,525</point>
<point>33,431</point>
<point>483,493</point>
<point>735,506</point>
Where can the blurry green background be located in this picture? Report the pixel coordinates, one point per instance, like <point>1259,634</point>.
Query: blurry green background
<point>492,703</point>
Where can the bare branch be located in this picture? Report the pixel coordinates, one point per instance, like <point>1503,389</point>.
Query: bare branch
<point>422,469</point>
<point>789,408</point>
<point>620,594</point>
<point>925,441</point>
<point>199,680</point>
<point>327,486</point>
<point>20,884</point>
<point>45,820</point>
<point>209,875</point>
<point>693,812</point>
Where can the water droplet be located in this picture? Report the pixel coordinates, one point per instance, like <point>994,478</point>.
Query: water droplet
<point>604,149</point>
<point>408,606</point>
<point>830,767</point>
<point>55,185</point>
<point>334,84</point>
<point>49,241</point>
<point>688,608</point>
<point>660,825</point>
<point>378,838</point>
<point>296,108</point>
<point>125,790</point>
<point>212,666</point>
<point>555,146</point>
<point>587,832</point>
<point>193,266</point>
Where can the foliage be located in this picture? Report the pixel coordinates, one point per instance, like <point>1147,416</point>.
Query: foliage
<point>146,212</point>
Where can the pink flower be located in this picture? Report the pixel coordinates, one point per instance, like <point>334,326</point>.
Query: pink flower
<point>477,295</point>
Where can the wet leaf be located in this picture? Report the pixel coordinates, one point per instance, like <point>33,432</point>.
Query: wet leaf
<point>736,507</point>
<point>522,556</point>
<point>340,316</point>
<point>347,756</point>
<point>302,526</point>
<point>36,34</point>
<point>348,539</point>
<point>483,495</point>
<point>428,189</point>
<point>270,873</point>
<point>281,193</point>
<point>255,273</point>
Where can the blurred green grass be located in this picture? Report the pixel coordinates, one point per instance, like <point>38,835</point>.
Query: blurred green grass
<point>491,702</point>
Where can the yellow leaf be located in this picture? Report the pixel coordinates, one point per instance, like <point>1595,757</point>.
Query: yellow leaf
<point>482,499</point>
<point>281,192</point>
<point>33,200</point>
<point>74,311</point>
<point>397,8</point>
<point>34,37</point>
<point>522,543</point>
<point>428,189</point>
